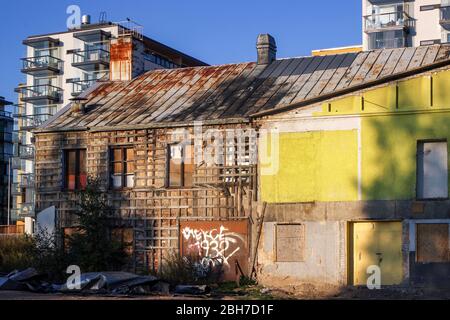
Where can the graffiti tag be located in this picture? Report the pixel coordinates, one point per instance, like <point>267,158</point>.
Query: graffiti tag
<point>215,247</point>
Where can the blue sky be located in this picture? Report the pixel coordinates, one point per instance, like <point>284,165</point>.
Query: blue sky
<point>214,31</point>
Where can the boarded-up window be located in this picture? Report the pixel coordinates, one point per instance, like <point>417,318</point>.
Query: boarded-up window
<point>180,165</point>
<point>290,242</point>
<point>433,243</point>
<point>432,170</point>
<point>122,167</point>
<point>75,169</point>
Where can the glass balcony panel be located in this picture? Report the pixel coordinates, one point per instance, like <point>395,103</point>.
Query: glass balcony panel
<point>389,20</point>
<point>93,55</point>
<point>44,91</point>
<point>45,61</point>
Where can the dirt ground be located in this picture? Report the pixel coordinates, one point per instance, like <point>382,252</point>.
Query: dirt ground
<point>304,292</point>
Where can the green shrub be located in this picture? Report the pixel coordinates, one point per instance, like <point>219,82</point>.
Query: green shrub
<point>177,269</point>
<point>39,252</point>
<point>16,253</point>
<point>92,247</point>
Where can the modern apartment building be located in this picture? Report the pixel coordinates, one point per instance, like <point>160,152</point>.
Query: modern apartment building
<point>409,23</point>
<point>6,148</point>
<point>59,66</point>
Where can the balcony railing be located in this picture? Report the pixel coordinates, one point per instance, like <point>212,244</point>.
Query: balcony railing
<point>26,152</point>
<point>445,15</point>
<point>91,56</point>
<point>26,180</point>
<point>40,92</point>
<point>24,209</point>
<point>42,64</point>
<point>4,113</point>
<point>33,121</point>
<point>19,110</point>
<point>387,21</point>
<point>17,163</point>
<point>78,86</point>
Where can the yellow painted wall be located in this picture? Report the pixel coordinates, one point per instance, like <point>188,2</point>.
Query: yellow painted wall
<point>377,244</point>
<point>332,51</point>
<point>314,166</point>
<point>322,165</point>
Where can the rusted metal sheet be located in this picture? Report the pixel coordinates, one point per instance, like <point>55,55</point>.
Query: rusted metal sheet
<point>217,244</point>
<point>404,60</point>
<point>433,243</point>
<point>204,91</point>
<point>121,56</point>
<point>265,86</point>
<point>301,80</point>
<point>379,65</point>
<point>418,57</point>
<point>339,73</point>
<point>276,86</point>
<point>315,77</point>
<point>361,75</point>
<point>430,57</point>
<point>352,70</point>
<point>327,76</point>
<point>236,90</point>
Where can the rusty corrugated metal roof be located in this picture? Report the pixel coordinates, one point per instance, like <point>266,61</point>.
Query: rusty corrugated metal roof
<point>236,91</point>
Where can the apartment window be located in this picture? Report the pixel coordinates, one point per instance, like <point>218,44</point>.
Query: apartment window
<point>290,242</point>
<point>122,167</point>
<point>387,39</point>
<point>432,243</point>
<point>432,170</point>
<point>180,167</point>
<point>430,7</point>
<point>75,169</point>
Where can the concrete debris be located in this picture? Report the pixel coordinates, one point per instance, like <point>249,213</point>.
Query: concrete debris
<point>28,279</point>
<point>116,283</point>
<point>265,290</point>
<point>195,290</point>
<point>110,282</point>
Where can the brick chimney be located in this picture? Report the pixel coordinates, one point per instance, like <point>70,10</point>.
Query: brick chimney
<point>267,49</point>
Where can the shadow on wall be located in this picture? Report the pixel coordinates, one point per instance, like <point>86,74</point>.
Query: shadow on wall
<point>392,169</point>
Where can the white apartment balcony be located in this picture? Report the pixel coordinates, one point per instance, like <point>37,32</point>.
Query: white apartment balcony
<point>40,94</point>
<point>25,152</point>
<point>26,180</point>
<point>91,60</point>
<point>30,122</point>
<point>78,86</point>
<point>42,66</point>
<point>396,20</point>
<point>23,209</point>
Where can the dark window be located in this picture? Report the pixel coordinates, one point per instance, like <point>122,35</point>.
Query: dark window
<point>430,7</point>
<point>75,169</point>
<point>122,167</point>
<point>180,165</point>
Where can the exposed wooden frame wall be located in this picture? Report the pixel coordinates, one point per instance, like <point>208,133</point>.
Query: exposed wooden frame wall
<point>150,208</point>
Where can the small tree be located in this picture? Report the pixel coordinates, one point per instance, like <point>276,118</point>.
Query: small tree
<point>92,246</point>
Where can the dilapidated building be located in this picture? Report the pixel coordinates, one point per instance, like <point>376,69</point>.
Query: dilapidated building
<point>177,151</point>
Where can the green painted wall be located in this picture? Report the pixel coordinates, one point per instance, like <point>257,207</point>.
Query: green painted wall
<point>389,147</point>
